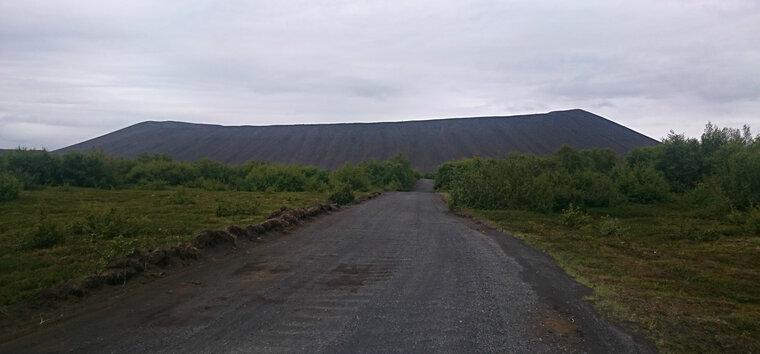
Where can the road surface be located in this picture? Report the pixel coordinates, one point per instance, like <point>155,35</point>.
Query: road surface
<point>398,273</point>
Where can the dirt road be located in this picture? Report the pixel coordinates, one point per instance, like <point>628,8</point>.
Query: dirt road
<point>395,274</point>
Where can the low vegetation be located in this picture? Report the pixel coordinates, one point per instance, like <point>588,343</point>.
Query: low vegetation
<point>666,236</point>
<point>63,217</point>
<point>55,234</point>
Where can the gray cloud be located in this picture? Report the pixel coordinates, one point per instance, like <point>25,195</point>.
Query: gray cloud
<point>72,70</point>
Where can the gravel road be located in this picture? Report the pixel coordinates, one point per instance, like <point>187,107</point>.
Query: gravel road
<point>398,273</point>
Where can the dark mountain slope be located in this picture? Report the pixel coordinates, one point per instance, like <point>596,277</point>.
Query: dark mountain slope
<point>425,143</point>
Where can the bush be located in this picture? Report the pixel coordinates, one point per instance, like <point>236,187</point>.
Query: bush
<point>113,249</point>
<point>610,226</point>
<point>594,189</point>
<point>342,195</point>
<point>680,161</point>
<point>752,221</point>
<point>209,184</point>
<point>640,183</point>
<point>544,191</point>
<point>47,234</point>
<point>181,197</point>
<point>86,170</point>
<point>33,168</point>
<point>353,176</point>
<point>710,199</point>
<point>739,176</point>
<point>9,187</point>
<point>109,224</point>
<point>276,178</point>
<point>574,217</point>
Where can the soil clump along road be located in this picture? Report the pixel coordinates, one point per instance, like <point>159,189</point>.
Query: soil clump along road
<point>398,273</point>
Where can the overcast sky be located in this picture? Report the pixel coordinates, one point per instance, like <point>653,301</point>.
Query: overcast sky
<point>71,71</point>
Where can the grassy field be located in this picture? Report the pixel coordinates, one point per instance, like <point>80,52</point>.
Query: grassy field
<point>691,283</point>
<point>63,233</point>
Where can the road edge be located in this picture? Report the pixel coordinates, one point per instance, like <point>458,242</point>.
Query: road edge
<point>563,294</point>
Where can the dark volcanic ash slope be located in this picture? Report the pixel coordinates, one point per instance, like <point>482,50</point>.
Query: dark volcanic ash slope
<point>425,143</point>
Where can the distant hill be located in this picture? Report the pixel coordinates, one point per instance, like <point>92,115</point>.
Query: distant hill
<point>426,143</point>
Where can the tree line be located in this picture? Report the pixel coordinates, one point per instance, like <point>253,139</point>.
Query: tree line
<point>22,169</point>
<point>721,170</point>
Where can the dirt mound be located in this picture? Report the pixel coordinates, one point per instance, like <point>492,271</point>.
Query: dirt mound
<point>118,272</point>
<point>212,238</point>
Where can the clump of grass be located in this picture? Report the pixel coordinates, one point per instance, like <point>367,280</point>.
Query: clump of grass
<point>230,208</point>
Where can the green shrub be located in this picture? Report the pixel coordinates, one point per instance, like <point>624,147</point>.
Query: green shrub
<point>640,183</point>
<point>113,248</point>
<point>739,175</point>
<point>152,185</point>
<point>445,175</point>
<point>610,226</point>
<point>165,170</point>
<point>710,199</point>
<point>32,167</point>
<point>342,195</point>
<point>487,184</point>
<point>9,187</point>
<point>574,217</point>
<point>544,191</point>
<point>109,224</point>
<point>736,217</point>
<point>680,161</point>
<point>355,177</point>
<point>691,230</point>
<point>209,184</point>
<point>594,189</point>
<point>181,197</point>
<point>86,170</point>
<point>47,234</point>
<point>276,178</point>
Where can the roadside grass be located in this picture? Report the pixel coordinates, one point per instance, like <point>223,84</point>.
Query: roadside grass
<point>64,233</point>
<point>689,281</point>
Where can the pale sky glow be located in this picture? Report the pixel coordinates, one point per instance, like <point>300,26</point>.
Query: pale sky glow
<point>71,71</point>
